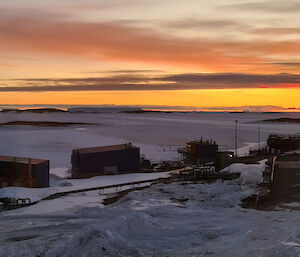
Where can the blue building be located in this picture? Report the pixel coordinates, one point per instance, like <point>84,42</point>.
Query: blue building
<point>114,159</point>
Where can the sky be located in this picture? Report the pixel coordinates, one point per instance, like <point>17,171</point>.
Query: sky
<point>201,53</point>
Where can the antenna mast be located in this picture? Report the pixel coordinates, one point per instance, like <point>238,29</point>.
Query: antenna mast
<point>236,135</point>
<point>258,138</point>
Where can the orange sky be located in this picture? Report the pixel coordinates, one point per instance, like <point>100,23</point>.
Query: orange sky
<point>194,98</point>
<point>68,52</point>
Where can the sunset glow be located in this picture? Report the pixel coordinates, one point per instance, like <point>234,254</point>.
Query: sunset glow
<point>204,53</point>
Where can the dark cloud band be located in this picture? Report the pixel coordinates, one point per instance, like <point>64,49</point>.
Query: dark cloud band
<point>129,81</point>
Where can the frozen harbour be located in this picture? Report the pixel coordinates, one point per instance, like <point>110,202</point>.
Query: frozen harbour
<point>157,134</point>
<point>177,219</point>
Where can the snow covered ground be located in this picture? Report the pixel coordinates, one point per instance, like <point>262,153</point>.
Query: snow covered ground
<point>177,219</point>
<point>59,184</point>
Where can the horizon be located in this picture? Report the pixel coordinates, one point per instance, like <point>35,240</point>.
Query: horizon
<point>161,108</point>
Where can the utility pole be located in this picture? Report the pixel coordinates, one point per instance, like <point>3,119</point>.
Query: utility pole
<point>258,138</point>
<point>236,136</point>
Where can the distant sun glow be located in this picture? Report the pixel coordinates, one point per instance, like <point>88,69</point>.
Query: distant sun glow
<point>192,98</point>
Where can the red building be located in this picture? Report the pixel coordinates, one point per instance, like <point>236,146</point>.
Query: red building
<point>23,172</point>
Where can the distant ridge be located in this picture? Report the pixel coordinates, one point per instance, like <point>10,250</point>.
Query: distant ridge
<point>284,120</point>
<point>38,110</point>
<point>104,109</point>
<point>44,123</point>
<point>138,109</point>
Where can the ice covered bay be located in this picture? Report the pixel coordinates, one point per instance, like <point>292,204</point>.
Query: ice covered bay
<point>158,134</point>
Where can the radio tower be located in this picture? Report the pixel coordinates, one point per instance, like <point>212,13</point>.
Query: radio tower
<point>236,137</point>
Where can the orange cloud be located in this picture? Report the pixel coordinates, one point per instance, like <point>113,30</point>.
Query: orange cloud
<point>115,42</point>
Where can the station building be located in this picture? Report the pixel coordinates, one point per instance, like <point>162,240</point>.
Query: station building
<point>113,159</point>
<point>23,172</point>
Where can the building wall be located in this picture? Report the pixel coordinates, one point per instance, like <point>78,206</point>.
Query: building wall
<point>5,168</point>
<point>127,160</point>
<point>286,181</point>
<point>42,174</point>
<point>17,174</point>
<point>283,143</point>
<point>207,151</point>
<point>223,160</point>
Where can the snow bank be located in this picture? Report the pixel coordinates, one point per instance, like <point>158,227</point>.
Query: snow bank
<point>251,174</point>
<point>244,151</point>
<point>63,185</point>
<point>35,194</point>
<point>177,219</point>
<point>185,219</point>
<point>62,172</point>
<point>165,220</point>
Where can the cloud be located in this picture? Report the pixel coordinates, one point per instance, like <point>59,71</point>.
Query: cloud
<point>113,41</point>
<point>290,64</point>
<point>233,79</point>
<point>275,6</point>
<point>123,71</point>
<point>132,81</point>
<point>7,66</point>
<point>276,31</point>
<point>191,23</point>
<point>92,5</point>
